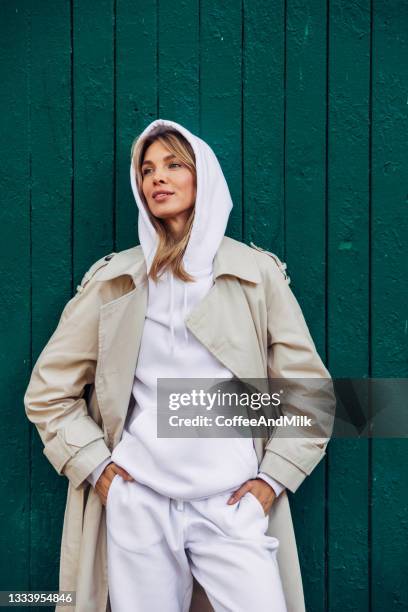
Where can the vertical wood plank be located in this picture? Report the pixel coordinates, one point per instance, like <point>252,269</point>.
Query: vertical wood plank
<point>221,95</point>
<point>136,101</point>
<point>348,294</point>
<point>93,219</point>
<point>51,250</point>
<point>389,272</point>
<point>15,316</point>
<point>178,66</point>
<point>305,196</point>
<point>263,119</point>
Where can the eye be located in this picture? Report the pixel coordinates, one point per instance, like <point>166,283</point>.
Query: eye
<point>146,170</point>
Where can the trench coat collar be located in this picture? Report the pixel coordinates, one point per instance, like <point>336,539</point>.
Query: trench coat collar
<point>232,258</point>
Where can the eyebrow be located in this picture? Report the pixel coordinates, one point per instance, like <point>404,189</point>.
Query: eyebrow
<point>171,156</point>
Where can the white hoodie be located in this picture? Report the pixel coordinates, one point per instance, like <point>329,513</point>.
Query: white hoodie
<point>184,468</point>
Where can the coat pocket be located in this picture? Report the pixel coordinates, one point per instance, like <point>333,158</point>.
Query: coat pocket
<point>81,432</point>
<point>69,440</point>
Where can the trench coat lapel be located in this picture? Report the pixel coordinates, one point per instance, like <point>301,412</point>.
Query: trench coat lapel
<point>120,332</point>
<point>224,310</point>
<point>211,322</point>
<point>215,326</point>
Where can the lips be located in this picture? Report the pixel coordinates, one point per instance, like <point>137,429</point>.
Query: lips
<point>162,195</point>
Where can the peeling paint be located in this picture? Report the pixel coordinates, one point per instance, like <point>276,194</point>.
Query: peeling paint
<point>345,246</point>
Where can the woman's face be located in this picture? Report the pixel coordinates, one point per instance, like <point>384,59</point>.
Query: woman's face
<point>163,171</point>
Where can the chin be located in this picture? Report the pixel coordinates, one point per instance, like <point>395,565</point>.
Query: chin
<point>164,213</point>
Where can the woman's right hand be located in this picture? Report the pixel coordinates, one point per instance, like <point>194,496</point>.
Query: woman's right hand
<point>105,480</point>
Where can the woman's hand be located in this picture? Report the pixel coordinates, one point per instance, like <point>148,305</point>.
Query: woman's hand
<point>258,487</point>
<point>105,480</point>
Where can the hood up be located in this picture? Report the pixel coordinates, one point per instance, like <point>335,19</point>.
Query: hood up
<point>212,209</point>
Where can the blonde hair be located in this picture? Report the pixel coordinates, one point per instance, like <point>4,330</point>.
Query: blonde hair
<point>169,252</point>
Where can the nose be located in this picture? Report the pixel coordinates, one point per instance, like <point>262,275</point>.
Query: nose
<point>158,176</point>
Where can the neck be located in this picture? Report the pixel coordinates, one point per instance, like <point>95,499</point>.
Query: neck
<point>176,225</point>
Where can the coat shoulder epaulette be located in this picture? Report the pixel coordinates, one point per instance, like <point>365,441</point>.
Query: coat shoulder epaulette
<point>281,265</point>
<point>101,263</point>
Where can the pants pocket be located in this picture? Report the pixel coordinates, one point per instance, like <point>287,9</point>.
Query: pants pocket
<point>112,484</point>
<point>257,503</point>
<point>135,516</point>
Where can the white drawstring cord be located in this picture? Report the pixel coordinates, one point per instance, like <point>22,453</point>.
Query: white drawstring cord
<point>185,313</point>
<point>172,344</point>
<point>172,331</point>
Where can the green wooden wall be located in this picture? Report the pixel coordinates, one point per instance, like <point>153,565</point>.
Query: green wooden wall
<point>305,104</point>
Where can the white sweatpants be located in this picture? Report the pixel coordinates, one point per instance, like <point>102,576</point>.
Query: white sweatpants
<point>155,545</point>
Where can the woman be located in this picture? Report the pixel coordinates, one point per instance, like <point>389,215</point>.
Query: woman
<point>187,303</point>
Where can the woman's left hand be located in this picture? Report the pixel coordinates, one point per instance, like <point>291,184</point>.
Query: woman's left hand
<point>258,487</point>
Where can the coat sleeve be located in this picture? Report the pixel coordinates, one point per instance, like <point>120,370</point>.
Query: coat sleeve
<point>54,400</point>
<point>292,453</point>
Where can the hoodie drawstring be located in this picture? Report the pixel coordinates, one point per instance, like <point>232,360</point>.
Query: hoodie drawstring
<point>172,343</point>
<point>185,313</point>
<point>172,333</point>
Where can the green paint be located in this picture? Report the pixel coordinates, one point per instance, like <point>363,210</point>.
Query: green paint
<point>292,126</point>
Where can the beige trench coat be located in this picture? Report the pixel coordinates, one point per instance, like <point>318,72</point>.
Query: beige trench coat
<point>80,392</point>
